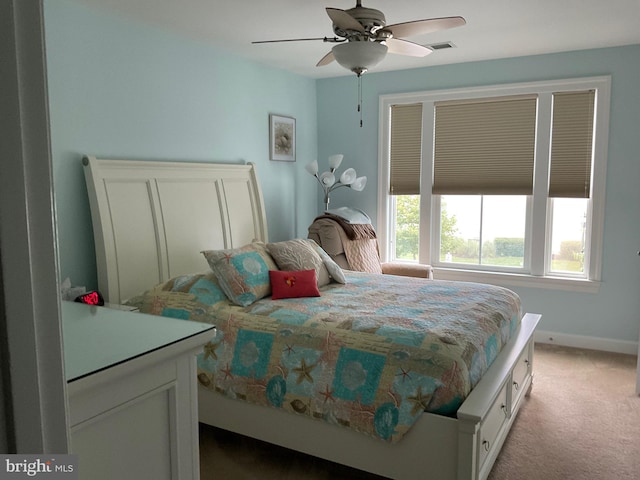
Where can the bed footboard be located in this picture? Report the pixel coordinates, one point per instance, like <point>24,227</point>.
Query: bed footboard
<point>487,414</point>
<point>464,448</point>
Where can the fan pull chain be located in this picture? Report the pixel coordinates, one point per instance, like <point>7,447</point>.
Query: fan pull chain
<point>360,98</point>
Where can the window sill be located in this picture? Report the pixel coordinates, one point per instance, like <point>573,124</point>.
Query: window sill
<point>518,280</point>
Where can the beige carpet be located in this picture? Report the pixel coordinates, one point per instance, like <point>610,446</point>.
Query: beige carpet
<point>582,422</point>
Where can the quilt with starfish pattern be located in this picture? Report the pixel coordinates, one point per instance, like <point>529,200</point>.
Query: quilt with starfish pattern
<point>370,355</point>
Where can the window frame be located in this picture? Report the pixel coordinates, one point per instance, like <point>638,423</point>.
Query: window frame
<point>435,254</point>
<point>540,204</point>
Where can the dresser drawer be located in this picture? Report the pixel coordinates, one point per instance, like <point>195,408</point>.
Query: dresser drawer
<point>520,373</point>
<point>492,424</point>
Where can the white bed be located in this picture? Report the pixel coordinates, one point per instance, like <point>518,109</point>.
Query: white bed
<point>143,238</point>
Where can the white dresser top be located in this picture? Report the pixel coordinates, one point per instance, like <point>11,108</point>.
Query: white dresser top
<point>96,338</point>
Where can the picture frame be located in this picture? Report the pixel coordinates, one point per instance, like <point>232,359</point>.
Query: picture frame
<point>282,138</point>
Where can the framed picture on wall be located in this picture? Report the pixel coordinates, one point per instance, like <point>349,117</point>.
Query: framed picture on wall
<point>282,138</point>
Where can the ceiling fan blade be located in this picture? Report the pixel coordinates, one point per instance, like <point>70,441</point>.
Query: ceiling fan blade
<point>324,39</point>
<point>326,60</point>
<point>421,27</point>
<point>404,47</point>
<point>343,20</point>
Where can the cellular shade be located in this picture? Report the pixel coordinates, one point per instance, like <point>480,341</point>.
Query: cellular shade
<point>571,144</point>
<point>406,149</point>
<point>485,146</point>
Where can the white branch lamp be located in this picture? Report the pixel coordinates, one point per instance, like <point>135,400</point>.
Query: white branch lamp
<point>327,180</point>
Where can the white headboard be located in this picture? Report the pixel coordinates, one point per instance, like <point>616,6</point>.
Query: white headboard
<point>151,220</point>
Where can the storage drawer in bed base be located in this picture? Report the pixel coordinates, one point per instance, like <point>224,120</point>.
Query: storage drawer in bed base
<point>485,428</point>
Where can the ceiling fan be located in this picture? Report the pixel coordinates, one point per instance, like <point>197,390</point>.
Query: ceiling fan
<point>363,37</point>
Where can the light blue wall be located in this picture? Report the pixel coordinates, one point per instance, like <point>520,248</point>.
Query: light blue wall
<point>613,313</point>
<point>120,89</point>
<point>123,90</point>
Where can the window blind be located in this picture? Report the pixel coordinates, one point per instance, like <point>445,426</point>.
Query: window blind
<point>571,144</point>
<point>405,149</point>
<point>485,146</point>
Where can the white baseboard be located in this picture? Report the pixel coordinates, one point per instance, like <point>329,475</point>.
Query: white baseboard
<point>582,341</point>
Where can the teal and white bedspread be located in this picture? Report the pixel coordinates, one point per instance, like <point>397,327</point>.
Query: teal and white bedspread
<point>370,355</point>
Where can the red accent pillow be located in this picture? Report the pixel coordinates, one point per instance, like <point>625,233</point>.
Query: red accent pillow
<point>294,284</point>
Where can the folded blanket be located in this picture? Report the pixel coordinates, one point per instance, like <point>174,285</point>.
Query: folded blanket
<point>354,231</point>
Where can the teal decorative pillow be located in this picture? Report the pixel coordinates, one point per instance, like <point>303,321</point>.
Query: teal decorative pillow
<point>242,273</point>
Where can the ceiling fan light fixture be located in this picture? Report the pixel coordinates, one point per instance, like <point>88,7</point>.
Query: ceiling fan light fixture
<point>359,56</point>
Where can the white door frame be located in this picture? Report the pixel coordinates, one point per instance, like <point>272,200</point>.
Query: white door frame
<point>35,417</point>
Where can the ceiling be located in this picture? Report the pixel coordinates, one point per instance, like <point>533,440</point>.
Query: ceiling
<point>495,28</point>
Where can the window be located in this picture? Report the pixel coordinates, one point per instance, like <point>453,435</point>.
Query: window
<point>474,230</point>
<point>503,182</point>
